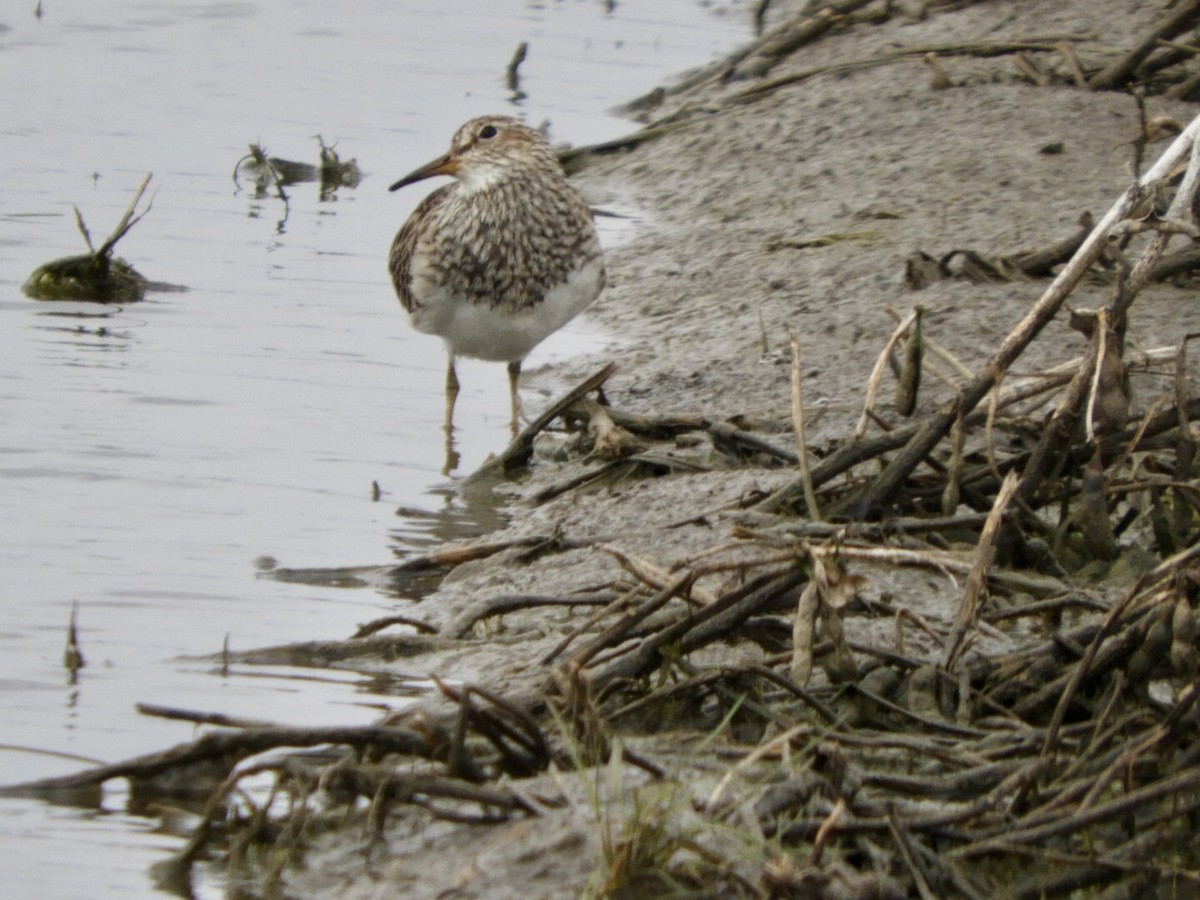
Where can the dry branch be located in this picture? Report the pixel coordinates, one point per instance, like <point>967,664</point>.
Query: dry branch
<point>518,453</point>
<point>1115,75</point>
<point>227,748</point>
<point>883,489</point>
<point>972,600</point>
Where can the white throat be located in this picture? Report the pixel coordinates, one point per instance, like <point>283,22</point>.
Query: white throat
<point>479,178</point>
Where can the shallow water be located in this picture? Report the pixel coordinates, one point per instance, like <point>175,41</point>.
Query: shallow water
<point>150,453</point>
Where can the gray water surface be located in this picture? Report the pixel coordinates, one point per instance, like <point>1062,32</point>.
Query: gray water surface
<point>150,453</point>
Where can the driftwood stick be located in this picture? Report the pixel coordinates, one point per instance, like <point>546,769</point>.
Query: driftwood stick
<point>1185,444</point>
<point>1166,567</point>
<point>617,603</point>
<point>1094,383</point>
<point>512,77</point>
<point>449,557</point>
<point>908,375</point>
<point>369,628</point>
<point>660,426</point>
<point>855,454</point>
<point>1057,431</point>
<point>616,633</point>
<point>655,576</point>
<point>518,453</point>
<point>793,34</point>
<point>976,584</point>
<point>1180,210</point>
<point>955,468</point>
<point>1182,784</point>
<point>231,746</point>
<point>460,626</point>
<point>738,440</point>
<point>1119,72</point>
<point>838,462</point>
<point>982,49</point>
<point>202,718</point>
<point>694,629</point>
<point>1068,53</point>
<point>1039,263</point>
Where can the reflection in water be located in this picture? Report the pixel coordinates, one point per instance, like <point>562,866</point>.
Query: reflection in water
<point>268,176</point>
<point>89,332</point>
<point>469,510</point>
<point>453,457</point>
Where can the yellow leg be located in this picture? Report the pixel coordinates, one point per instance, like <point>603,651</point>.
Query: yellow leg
<point>451,397</point>
<point>451,393</point>
<point>514,376</point>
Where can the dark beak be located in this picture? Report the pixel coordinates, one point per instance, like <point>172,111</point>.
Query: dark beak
<point>444,165</point>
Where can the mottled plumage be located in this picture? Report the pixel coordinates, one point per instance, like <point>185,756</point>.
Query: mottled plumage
<point>501,258</point>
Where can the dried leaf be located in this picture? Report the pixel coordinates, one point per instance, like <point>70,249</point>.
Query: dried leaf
<point>802,634</point>
<point>1091,513</point>
<point>1183,638</point>
<point>839,663</point>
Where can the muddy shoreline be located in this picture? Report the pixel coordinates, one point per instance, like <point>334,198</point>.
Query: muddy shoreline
<point>792,211</point>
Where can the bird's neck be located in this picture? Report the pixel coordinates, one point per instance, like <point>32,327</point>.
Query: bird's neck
<point>480,179</point>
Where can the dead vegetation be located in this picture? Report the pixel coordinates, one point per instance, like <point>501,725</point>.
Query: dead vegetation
<point>910,767</point>
<point>267,173</point>
<point>1163,62</point>
<point>97,275</point>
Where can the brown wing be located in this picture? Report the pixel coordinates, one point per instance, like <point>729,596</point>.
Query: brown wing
<point>400,258</point>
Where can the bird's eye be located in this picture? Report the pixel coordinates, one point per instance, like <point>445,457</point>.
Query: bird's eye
<point>487,131</point>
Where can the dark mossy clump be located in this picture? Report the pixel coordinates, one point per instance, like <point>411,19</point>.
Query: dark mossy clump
<point>97,276</point>
<point>266,171</point>
<point>91,276</point>
<point>336,173</point>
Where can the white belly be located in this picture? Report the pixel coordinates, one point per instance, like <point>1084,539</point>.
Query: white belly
<point>499,333</point>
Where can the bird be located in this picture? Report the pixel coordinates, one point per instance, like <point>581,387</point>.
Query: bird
<point>500,258</point>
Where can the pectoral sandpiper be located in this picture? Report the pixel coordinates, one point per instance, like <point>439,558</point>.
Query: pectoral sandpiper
<point>501,258</point>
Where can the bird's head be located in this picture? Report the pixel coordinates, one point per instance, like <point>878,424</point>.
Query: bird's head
<point>485,150</point>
